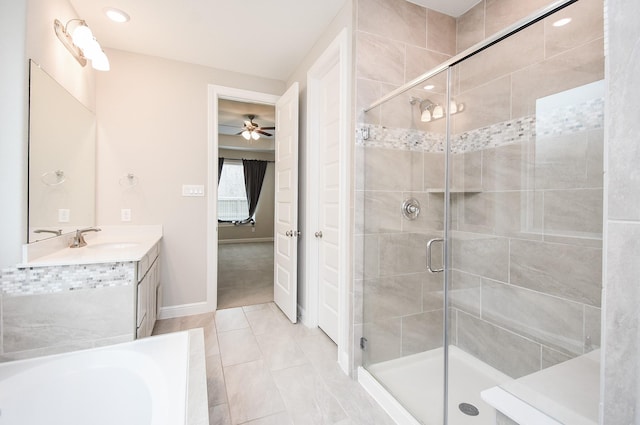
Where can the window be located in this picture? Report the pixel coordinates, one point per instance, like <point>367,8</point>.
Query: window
<point>232,196</point>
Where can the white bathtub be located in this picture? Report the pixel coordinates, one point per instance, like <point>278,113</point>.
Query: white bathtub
<point>137,383</point>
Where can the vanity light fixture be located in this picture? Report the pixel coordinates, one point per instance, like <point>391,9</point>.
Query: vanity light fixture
<point>79,40</point>
<point>430,111</point>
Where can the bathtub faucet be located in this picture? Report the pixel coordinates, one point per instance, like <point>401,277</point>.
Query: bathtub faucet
<point>78,240</point>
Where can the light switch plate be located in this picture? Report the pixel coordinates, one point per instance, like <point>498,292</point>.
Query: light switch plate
<point>192,190</point>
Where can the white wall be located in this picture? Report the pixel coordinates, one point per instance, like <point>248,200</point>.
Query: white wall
<point>344,19</point>
<point>152,122</point>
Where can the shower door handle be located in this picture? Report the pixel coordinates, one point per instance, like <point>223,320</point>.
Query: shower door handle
<point>432,270</point>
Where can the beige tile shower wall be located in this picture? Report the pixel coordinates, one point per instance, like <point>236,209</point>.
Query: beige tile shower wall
<point>399,303</point>
<point>551,188</point>
<point>491,16</point>
<point>527,248</point>
<point>395,298</point>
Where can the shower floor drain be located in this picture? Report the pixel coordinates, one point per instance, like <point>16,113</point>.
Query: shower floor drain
<point>468,409</point>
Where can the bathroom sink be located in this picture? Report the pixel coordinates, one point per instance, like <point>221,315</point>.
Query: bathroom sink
<point>115,246</point>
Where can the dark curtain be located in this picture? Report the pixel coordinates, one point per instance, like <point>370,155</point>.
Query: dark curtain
<point>220,164</point>
<point>254,171</point>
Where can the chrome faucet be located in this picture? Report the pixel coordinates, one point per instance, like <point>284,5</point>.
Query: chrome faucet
<point>55,232</point>
<point>78,240</point>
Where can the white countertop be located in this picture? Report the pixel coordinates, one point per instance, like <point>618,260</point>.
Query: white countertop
<point>112,244</point>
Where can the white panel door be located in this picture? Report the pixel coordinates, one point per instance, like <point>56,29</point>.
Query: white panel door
<point>329,202</point>
<point>285,282</point>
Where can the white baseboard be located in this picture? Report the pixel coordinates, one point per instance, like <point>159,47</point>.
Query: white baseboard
<point>185,310</point>
<point>343,362</point>
<point>247,240</point>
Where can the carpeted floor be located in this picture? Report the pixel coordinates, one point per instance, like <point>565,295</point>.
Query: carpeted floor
<point>245,274</point>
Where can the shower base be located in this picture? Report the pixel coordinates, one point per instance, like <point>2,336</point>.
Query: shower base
<point>416,383</point>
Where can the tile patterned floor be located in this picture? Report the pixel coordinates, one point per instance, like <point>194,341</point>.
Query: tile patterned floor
<point>263,370</point>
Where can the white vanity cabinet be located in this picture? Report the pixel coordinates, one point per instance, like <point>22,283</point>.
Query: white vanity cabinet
<point>147,288</point>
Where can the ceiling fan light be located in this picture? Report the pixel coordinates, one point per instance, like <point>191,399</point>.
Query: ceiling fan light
<point>246,135</point>
<point>255,135</point>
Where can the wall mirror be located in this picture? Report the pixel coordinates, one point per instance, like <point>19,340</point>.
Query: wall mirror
<point>62,159</point>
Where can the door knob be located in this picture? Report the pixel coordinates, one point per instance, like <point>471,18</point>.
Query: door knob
<point>318,234</point>
<point>288,233</point>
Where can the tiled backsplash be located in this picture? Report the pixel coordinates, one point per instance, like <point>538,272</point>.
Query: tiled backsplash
<point>42,280</point>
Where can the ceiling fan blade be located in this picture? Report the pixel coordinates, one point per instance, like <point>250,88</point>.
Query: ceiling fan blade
<point>267,128</point>
<point>264,133</point>
<point>237,134</point>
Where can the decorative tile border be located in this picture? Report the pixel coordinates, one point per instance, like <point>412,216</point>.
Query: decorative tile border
<point>41,280</point>
<point>571,119</point>
<point>552,123</point>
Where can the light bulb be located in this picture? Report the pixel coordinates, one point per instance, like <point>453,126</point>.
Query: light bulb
<point>453,107</point>
<point>255,135</point>
<point>100,62</point>
<point>438,112</point>
<point>92,49</point>
<point>246,134</point>
<point>82,36</point>
<point>426,116</point>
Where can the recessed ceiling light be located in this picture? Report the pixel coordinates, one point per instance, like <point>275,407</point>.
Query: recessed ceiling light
<point>116,15</point>
<point>561,22</point>
<point>429,87</point>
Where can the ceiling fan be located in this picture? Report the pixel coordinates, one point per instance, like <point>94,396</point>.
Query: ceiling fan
<point>253,130</point>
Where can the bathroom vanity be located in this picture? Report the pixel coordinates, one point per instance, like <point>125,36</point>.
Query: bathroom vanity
<point>62,299</point>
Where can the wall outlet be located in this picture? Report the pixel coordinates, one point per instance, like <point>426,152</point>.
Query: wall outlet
<point>64,215</point>
<point>125,214</point>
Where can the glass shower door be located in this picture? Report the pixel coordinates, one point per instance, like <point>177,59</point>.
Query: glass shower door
<point>401,201</point>
<point>526,235</point>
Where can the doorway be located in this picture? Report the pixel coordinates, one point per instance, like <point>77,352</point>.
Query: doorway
<point>285,192</point>
<point>246,134</point>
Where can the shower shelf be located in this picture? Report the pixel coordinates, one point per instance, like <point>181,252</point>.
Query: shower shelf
<point>441,190</point>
